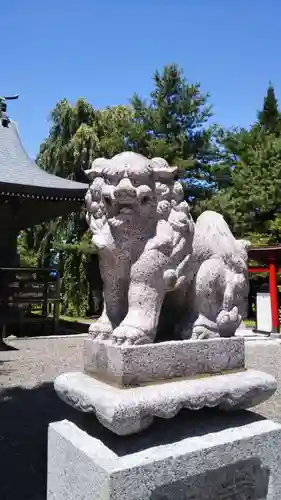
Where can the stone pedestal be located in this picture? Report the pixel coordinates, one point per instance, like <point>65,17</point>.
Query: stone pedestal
<point>126,387</point>
<point>130,410</point>
<point>201,453</point>
<point>194,457</point>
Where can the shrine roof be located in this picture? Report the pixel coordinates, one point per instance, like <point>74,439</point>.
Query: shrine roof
<point>21,176</point>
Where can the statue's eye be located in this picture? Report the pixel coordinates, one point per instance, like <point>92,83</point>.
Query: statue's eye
<point>107,200</point>
<point>145,199</point>
<point>138,180</point>
<point>112,180</point>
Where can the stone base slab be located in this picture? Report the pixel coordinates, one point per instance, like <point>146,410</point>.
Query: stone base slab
<point>129,410</point>
<point>189,461</point>
<point>137,365</point>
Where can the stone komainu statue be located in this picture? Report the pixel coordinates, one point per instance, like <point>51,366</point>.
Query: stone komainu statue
<point>164,276</point>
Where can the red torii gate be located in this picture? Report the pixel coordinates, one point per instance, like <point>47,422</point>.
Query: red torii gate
<point>270,258</point>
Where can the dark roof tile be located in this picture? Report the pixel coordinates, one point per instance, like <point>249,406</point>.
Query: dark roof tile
<point>19,174</point>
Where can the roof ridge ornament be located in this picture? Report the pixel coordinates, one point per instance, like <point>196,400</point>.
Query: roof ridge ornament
<point>5,120</point>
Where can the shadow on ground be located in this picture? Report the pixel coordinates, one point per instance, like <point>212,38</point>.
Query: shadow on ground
<point>6,347</point>
<point>37,329</point>
<point>24,418</point>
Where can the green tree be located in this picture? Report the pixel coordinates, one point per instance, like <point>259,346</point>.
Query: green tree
<point>251,202</point>
<point>251,198</point>
<point>172,124</point>
<point>72,140</point>
<point>269,116</point>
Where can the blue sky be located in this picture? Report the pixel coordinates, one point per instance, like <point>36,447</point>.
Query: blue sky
<point>104,50</point>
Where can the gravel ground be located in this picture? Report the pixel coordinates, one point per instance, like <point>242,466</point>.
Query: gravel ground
<point>28,404</point>
<point>266,356</point>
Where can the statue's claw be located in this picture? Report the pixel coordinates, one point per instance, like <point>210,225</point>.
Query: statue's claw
<point>129,335</point>
<point>100,329</point>
<point>202,332</point>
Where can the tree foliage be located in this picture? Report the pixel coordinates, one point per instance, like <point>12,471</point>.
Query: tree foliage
<point>235,171</point>
<point>269,116</point>
<point>172,124</point>
<point>252,200</point>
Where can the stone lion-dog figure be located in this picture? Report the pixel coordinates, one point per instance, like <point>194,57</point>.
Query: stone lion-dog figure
<point>162,273</point>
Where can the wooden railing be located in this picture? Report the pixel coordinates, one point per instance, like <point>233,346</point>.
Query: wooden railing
<point>29,295</point>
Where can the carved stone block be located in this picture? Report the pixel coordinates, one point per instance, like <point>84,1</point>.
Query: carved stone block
<point>139,364</point>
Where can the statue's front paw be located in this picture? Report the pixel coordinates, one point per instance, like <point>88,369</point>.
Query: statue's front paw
<point>201,332</point>
<point>100,329</point>
<point>228,322</point>
<point>204,328</point>
<point>129,335</point>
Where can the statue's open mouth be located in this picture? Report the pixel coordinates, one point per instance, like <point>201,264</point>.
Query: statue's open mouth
<point>120,207</point>
<point>125,208</point>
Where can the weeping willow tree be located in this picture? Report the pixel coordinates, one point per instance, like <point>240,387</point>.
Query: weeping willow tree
<point>61,244</point>
<point>78,134</point>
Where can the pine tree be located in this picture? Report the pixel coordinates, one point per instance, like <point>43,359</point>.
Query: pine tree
<point>269,116</point>
<point>172,124</point>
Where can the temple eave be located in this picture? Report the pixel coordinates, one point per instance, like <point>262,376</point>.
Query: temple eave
<point>56,197</point>
<point>22,177</point>
<point>59,193</point>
